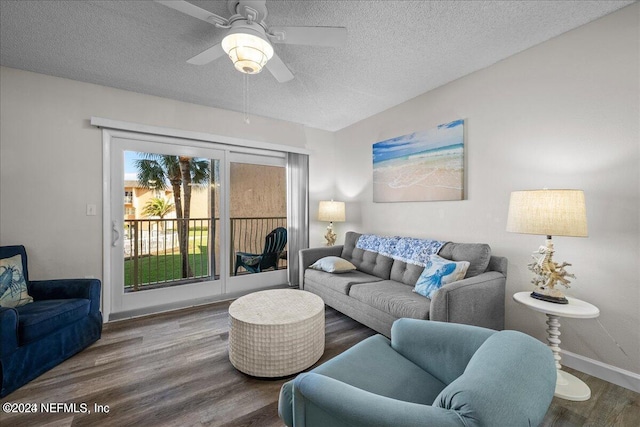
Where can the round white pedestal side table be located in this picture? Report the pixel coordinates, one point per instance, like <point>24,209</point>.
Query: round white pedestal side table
<point>276,333</point>
<point>567,386</point>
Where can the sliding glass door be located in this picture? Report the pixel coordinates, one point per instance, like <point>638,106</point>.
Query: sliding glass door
<point>166,235</point>
<point>257,221</point>
<point>189,224</point>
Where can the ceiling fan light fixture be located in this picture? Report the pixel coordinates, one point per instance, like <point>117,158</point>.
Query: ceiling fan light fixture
<point>248,49</point>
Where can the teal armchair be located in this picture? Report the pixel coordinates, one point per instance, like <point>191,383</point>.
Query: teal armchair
<point>429,374</point>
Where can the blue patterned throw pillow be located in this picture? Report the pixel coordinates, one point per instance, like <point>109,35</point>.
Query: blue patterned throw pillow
<point>13,288</point>
<point>439,272</point>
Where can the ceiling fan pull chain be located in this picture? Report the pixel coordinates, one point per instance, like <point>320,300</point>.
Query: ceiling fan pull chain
<point>245,90</point>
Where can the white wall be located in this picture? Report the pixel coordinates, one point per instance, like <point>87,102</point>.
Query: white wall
<point>564,114</point>
<point>321,181</point>
<point>51,161</point>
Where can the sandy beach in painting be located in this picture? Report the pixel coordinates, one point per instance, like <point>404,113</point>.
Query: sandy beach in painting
<point>431,176</point>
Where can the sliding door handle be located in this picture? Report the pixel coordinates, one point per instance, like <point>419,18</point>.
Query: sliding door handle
<point>115,234</point>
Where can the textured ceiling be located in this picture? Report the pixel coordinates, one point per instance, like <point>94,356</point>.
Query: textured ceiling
<point>396,50</point>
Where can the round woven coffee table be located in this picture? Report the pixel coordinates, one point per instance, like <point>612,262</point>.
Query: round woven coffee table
<point>276,333</point>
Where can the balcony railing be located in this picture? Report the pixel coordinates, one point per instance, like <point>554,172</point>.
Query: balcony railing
<point>152,248</point>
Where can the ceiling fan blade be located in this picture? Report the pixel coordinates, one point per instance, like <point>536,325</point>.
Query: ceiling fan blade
<point>313,36</point>
<point>207,56</point>
<point>195,11</point>
<point>279,70</point>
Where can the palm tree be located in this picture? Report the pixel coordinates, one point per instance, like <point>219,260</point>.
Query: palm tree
<point>181,172</point>
<point>158,206</point>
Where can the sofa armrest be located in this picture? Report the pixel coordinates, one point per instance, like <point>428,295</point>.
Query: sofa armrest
<point>478,300</point>
<point>67,288</point>
<point>322,401</point>
<point>311,255</point>
<point>8,331</point>
<point>420,341</point>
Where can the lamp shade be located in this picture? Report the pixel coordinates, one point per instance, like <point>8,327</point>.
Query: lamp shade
<point>548,212</point>
<point>248,47</point>
<point>331,211</point>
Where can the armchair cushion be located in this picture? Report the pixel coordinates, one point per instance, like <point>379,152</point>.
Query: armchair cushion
<point>444,351</point>
<point>13,285</point>
<point>374,366</point>
<point>39,320</point>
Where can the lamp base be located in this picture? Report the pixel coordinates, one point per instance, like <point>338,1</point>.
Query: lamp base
<point>330,236</point>
<point>549,298</point>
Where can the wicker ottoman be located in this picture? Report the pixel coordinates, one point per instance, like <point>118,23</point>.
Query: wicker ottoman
<point>276,333</point>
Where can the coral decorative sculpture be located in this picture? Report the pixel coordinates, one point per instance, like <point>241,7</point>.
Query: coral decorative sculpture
<point>548,274</point>
<point>330,236</point>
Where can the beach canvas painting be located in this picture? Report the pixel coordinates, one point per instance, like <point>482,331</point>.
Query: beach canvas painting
<point>421,166</point>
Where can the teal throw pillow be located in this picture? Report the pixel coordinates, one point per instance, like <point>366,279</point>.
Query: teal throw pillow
<point>13,287</point>
<point>439,272</point>
<point>333,264</point>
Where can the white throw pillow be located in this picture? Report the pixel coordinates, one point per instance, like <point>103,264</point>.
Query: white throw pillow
<point>333,264</point>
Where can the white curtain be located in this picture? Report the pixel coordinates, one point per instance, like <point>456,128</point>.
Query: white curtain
<point>297,211</point>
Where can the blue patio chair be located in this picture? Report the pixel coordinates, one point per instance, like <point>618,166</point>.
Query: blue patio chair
<point>274,245</point>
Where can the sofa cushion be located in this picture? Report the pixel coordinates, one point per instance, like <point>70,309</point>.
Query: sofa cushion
<point>392,297</point>
<point>478,255</point>
<point>369,262</point>
<point>333,264</point>
<point>405,273</point>
<point>13,286</point>
<point>338,282</point>
<point>41,318</point>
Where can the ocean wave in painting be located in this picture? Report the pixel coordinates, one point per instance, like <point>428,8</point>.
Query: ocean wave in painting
<point>422,166</point>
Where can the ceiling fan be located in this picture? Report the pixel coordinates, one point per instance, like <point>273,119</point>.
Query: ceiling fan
<point>248,41</point>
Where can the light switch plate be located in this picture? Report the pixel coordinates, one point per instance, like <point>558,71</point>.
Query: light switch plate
<point>91,210</point>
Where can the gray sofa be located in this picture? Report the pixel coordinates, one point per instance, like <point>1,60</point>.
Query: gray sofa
<point>380,291</point>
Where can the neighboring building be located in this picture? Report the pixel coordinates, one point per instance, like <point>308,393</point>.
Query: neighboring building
<point>136,197</point>
<point>256,192</point>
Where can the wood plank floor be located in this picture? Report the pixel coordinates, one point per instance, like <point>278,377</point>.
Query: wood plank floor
<point>173,369</point>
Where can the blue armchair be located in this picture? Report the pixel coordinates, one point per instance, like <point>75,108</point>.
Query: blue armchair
<point>63,319</point>
<point>429,374</point>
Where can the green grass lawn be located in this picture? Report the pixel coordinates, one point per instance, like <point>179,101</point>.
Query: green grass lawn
<point>162,268</point>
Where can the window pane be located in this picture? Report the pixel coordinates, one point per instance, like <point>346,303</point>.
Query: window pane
<point>258,211</point>
<point>169,235</point>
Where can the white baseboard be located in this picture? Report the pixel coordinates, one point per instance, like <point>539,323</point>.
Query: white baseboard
<point>617,376</point>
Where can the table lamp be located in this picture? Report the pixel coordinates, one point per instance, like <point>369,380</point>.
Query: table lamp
<point>550,213</point>
<point>331,211</point>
